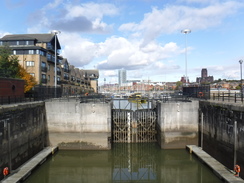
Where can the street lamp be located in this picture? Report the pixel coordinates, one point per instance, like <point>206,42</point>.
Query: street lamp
<point>241,61</point>
<point>186,31</point>
<point>55,32</point>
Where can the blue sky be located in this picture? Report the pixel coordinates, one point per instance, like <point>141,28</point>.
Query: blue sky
<point>142,36</point>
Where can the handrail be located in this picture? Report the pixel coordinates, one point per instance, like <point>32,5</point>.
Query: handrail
<point>230,97</point>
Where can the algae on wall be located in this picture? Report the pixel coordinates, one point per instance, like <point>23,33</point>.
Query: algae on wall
<point>23,133</point>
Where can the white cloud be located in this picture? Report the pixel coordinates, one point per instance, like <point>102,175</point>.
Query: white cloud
<point>2,33</point>
<point>53,4</point>
<point>140,50</point>
<point>174,18</point>
<point>91,10</point>
<point>77,50</point>
<point>121,53</point>
<point>109,73</point>
<point>85,17</point>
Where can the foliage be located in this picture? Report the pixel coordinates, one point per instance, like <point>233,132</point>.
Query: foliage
<point>178,85</point>
<point>10,68</point>
<point>29,79</point>
<point>8,63</point>
<point>238,87</point>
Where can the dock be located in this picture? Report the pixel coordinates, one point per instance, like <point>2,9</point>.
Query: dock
<point>219,170</point>
<point>24,171</point>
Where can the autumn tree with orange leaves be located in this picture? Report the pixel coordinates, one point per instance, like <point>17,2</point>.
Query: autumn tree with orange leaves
<point>10,68</point>
<point>29,79</point>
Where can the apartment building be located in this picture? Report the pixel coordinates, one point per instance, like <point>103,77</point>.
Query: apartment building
<point>36,53</point>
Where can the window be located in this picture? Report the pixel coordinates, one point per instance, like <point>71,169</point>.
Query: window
<point>49,57</point>
<point>48,77</point>
<point>43,76</point>
<point>49,46</point>
<point>22,42</point>
<point>31,52</point>
<point>43,64</point>
<point>32,74</point>
<point>41,53</point>
<point>30,63</point>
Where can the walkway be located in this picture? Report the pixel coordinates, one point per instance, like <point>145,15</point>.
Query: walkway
<point>220,170</point>
<point>25,170</point>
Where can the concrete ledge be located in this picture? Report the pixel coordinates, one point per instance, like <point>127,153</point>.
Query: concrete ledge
<point>25,170</point>
<point>220,170</point>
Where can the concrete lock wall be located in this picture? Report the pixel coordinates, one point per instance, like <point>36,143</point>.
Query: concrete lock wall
<point>223,132</point>
<point>177,124</point>
<point>74,125</point>
<point>23,133</point>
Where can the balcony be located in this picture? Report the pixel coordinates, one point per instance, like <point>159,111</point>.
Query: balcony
<point>66,70</point>
<point>66,77</point>
<point>44,81</point>
<point>50,59</point>
<point>44,69</point>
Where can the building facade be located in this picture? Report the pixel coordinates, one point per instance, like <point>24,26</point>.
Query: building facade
<point>36,54</point>
<point>121,77</point>
<point>204,77</point>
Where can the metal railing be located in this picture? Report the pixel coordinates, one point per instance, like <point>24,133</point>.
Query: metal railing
<point>14,99</point>
<point>228,97</point>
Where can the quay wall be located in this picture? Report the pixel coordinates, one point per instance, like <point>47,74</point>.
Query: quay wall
<point>177,124</point>
<point>75,125</point>
<point>221,132</point>
<point>23,133</point>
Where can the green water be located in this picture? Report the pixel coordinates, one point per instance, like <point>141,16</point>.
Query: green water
<point>124,163</point>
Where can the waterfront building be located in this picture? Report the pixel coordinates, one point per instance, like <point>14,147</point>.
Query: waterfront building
<point>122,76</point>
<point>36,54</point>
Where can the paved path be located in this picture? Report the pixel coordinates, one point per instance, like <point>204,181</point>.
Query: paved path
<point>219,169</point>
<point>25,170</point>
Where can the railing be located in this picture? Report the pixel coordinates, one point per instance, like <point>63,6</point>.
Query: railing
<point>14,99</point>
<point>94,98</point>
<point>58,73</point>
<point>44,69</point>
<point>228,97</point>
<point>44,80</point>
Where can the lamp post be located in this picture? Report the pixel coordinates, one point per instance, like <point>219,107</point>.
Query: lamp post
<point>241,61</point>
<point>55,32</point>
<point>186,31</point>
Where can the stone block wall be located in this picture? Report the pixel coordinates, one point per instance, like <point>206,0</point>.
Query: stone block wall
<point>75,125</point>
<point>177,124</point>
<point>219,134</point>
<point>23,133</point>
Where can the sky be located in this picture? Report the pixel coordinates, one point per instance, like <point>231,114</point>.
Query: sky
<point>141,36</point>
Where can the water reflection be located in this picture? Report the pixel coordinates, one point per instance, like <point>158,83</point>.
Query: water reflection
<point>125,163</point>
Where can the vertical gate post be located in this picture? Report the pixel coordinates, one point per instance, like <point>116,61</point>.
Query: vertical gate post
<point>128,124</point>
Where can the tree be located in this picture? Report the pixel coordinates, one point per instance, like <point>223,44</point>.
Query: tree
<point>29,79</point>
<point>10,68</point>
<point>9,64</point>
<point>178,85</point>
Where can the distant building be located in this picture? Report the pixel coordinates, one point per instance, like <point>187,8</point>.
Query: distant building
<point>183,79</point>
<point>204,77</point>
<point>121,76</point>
